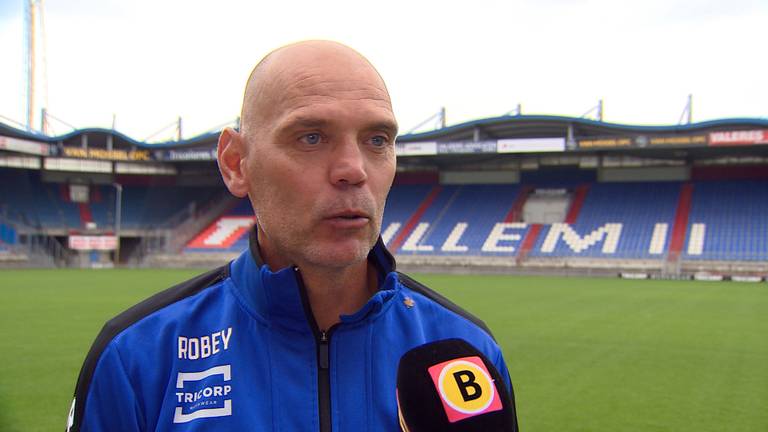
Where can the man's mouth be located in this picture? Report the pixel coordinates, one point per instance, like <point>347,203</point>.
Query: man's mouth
<point>349,218</point>
<point>349,214</point>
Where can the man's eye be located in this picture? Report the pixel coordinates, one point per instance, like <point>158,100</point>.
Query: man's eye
<point>311,139</point>
<point>379,141</point>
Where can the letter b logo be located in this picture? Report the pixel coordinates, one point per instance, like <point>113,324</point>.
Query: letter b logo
<point>465,388</point>
<point>465,381</point>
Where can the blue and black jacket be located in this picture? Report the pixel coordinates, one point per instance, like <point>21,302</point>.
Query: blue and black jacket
<point>238,349</point>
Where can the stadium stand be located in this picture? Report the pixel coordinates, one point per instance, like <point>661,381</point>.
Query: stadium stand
<point>728,221</point>
<point>147,207</point>
<point>615,220</point>
<point>8,235</point>
<point>48,205</point>
<point>412,230</point>
<point>403,203</point>
<point>459,220</point>
<point>35,203</point>
<point>514,191</point>
<point>9,238</point>
<point>102,206</point>
<point>422,219</point>
<point>227,234</point>
<point>623,220</point>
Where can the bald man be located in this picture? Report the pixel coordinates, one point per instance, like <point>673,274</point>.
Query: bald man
<point>304,331</point>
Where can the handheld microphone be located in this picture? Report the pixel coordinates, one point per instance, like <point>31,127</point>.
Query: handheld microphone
<point>450,386</point>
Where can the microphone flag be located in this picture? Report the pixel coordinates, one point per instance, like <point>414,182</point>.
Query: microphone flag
<point>449,385</point>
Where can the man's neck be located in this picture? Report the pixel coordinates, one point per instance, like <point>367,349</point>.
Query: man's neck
<point>335,292</point>
<point>331,291</point>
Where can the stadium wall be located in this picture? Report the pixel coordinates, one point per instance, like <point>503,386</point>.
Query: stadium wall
<point>479,177</point>
<point>644,174</point>
<point>730,172</point>
<point>558,175</point>
<point>417,177</point>
<point>74,177</point>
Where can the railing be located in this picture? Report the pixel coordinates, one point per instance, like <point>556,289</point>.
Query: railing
<point>188,227</point>
<point>44,250</point>
<point>176,231</point>
<point>154,242</point>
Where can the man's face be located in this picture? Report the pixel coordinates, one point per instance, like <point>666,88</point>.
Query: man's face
<point>320,164</point>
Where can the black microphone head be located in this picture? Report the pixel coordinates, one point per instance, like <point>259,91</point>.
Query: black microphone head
<point>450,386</point>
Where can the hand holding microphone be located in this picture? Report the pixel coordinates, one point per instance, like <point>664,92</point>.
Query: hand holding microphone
<point>449,385</point>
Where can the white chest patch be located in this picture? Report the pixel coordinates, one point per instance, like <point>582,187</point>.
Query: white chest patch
<point>204,394</point>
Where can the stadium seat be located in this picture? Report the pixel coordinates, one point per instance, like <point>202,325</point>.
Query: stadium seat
<point>728,221</point>
<point>616,220</point>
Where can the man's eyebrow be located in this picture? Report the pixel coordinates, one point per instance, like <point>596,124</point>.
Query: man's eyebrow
<point>386,126</point>
<point>304,123</point>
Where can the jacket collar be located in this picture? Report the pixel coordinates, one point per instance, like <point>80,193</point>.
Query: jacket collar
<point>279,297</point>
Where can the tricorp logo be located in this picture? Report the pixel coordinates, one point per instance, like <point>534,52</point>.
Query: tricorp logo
<point>465,388</point>
<point>203,394</point>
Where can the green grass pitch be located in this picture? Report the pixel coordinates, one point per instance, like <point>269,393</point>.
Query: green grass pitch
<point>584,354</point>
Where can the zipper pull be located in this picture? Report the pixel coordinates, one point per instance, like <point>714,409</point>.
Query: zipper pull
<point>324,351</point>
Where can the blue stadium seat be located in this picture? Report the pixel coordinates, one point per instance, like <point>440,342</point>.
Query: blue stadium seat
<point>46,205</point>
<point>480,207</point>
<point>635,207</point>
<point>151,206</point>
<point>631,215</point>
<point>402,201</point>
<point>734,215</point>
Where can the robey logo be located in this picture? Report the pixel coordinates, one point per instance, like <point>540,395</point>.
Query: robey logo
<point>465,387</point>
<point>193,348</point>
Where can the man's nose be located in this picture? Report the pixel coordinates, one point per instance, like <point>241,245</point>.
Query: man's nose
<point>348,164</point>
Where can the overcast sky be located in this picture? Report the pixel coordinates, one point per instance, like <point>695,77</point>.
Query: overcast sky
<point>150,61</point>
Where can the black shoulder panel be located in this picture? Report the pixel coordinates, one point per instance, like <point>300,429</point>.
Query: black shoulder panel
<point>127,318</point>
<point>442,301</point>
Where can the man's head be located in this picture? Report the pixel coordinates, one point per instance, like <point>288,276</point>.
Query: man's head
<point>315,154</point>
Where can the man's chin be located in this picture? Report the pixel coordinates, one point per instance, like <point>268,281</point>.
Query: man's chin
<point>339,254</point>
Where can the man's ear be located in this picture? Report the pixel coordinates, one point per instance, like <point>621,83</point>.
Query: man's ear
<point>231,157</point>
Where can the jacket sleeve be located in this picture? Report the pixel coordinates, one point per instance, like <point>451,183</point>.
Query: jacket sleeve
<point>105,400</point>
<point>501,366</point>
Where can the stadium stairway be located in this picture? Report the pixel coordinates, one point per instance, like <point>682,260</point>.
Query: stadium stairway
<point>681,222</point>
<point>221,234</point>
<point>625,221</point>
<point>85,214</point>
<point>187,245</point>
<point>461,220</point>
<point>413,220</point>
<point>191,230</point>
<point>579,197</point>
<point>65,213</point>
<point>528,242</point>
<point>516,212</point>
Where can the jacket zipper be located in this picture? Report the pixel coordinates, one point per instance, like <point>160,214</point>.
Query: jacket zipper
<point>324,380</point>
<point>323,341</point>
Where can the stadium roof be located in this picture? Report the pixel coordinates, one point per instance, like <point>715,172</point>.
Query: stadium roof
<point>510,126</point>
<point>96,135</point>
